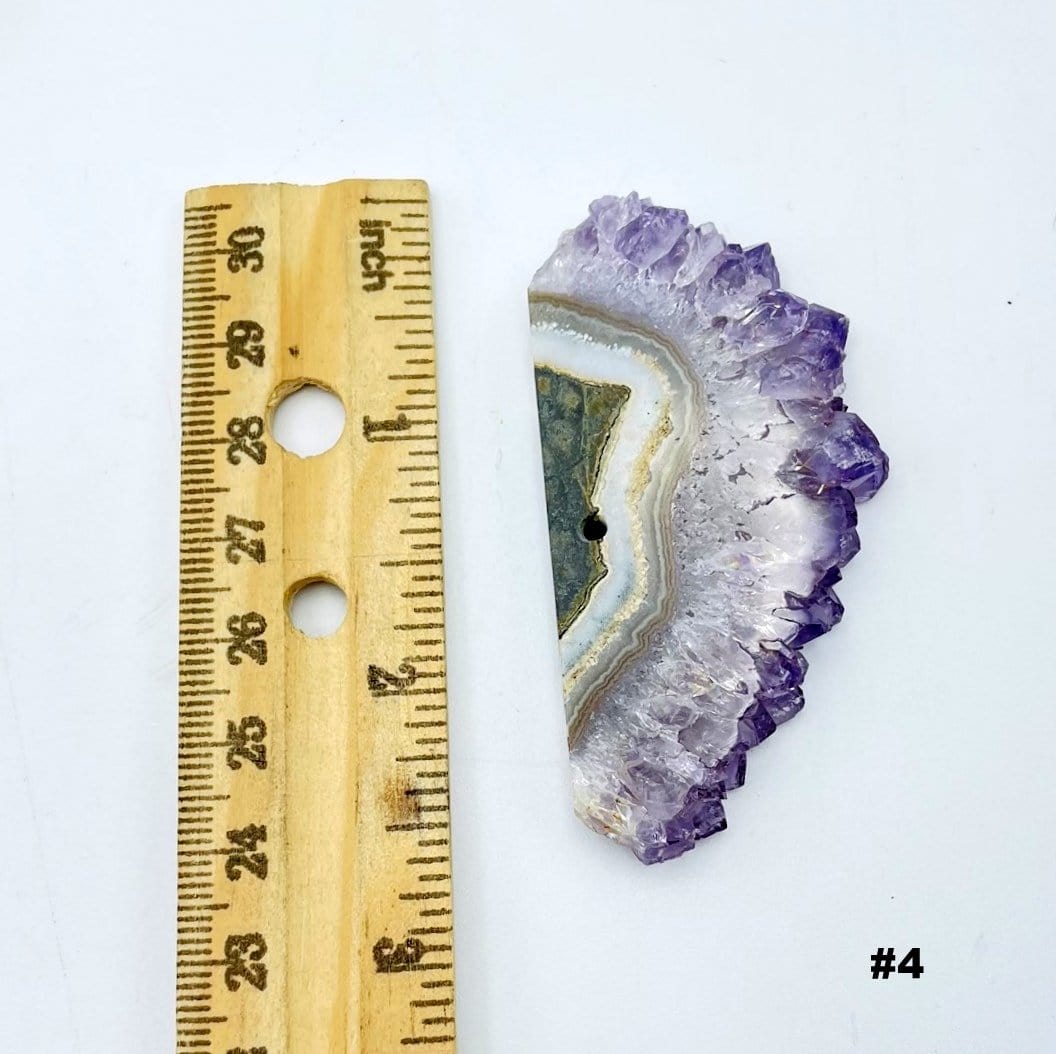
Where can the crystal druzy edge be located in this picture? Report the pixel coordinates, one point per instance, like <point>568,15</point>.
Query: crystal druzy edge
<point>693,407</point>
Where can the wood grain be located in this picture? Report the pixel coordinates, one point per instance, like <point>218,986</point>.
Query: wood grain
<point>345,944</point>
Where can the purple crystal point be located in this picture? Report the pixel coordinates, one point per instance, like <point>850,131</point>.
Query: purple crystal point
<point>779,667</point>
<point>841,521</point>
<point>729,275</point>
<point>824,322</point>
<point>703,244</point>
<point>694,406</point>
<point>650,235</point>
<point>610,214</point>
<point>774,320</point>
<point>817,613</point>
<point>781,704</point>
<point>731,771</point>
<point>585,237</point>
<point>733,284</point>
<point>669,265</point>
<point>760,261</point>
<point>755,725</point>
<point>809,366</point>
<point>843,453</point>
<point>701,814</point>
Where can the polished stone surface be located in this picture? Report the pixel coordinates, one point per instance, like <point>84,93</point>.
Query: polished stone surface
<point>702,473</point>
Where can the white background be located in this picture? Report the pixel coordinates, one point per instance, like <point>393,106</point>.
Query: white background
<point>900,158</point>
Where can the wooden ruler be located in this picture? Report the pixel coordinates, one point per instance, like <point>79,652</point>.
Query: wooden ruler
<point>314,885</point>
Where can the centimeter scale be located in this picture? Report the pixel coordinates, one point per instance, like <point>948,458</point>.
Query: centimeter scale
<point>314,888</point>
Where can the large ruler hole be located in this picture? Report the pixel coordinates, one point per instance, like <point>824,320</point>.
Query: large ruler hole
<point>308,419</point>
<point>317,607</point>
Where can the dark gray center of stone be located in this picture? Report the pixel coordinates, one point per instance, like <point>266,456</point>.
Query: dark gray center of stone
<point>576,418</point>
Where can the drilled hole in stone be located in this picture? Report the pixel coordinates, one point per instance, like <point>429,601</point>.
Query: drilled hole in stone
<point>308,419</point>
<point>594,528</point>
<point>317,607</point>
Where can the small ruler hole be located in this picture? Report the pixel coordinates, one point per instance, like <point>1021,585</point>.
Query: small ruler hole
<point>317,608</point>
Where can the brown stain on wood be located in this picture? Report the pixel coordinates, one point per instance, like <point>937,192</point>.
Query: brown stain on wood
<point>399,805</point>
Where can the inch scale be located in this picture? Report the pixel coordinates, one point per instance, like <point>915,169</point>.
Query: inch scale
<point>314,876</point>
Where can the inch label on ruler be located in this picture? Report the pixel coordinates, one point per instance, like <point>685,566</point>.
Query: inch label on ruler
<point>314,875</point>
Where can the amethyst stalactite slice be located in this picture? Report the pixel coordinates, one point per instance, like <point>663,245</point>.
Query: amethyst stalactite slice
<point>702,474</point>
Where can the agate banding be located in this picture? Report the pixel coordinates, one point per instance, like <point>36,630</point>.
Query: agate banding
<point>701,477</point>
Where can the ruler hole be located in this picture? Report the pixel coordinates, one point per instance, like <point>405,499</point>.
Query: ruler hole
<point>307,419</point>
<point>316,607</point>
